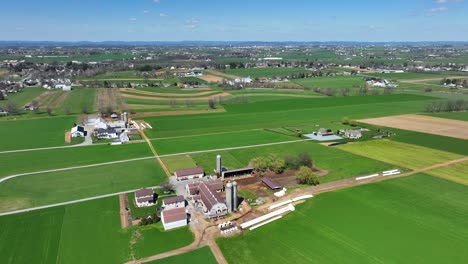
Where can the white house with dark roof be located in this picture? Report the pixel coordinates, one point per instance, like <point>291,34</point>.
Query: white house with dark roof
<point>174,202</point>
<point>144,197</point>
<point>78,131</point>
<point>189,174</point>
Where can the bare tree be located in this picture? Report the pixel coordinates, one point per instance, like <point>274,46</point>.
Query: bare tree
<point>49,111</point>
<point>11,107</point>
<point>211,104</point>
<point>35,106</point>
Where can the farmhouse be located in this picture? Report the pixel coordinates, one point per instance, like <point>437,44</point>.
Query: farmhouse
<point>103,133</point>
<point>144,197</point>
<point>78,131</point>
<point>174,218</point>
<point>325,132</point>
<point>353,133</point>
<point>272,184</point>
<point>63,86</point>
<point>206,195</point>
<point>173,202</point>
<point>189,174</point>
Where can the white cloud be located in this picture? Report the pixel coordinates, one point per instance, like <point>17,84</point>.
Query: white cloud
<point>156,1</point>
<point>132,19</point>
<point>447,1</point>
<point>441,1</point>
<point>164,15</point>
<point>145,11</point>
<point>191,23</point>
<point>438,9</point>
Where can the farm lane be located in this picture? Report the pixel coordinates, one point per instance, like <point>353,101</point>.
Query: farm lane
<point>49,148</point>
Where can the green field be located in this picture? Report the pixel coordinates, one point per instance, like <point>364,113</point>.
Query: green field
<point>87,232</point>
<point>14,163</point>
<point>199,256</point>
<point>288,112</point>
<point>24,97</point>
<point>265,72</point>
<point>401,154</point>
<point>332,82</point>
<point>455,172</point>
<point>419,219</point>
<point>341,164</point>
<point>62,186</point>
<point>217,141</point>
<point>80,98</point>
<point>34,133</point>
<point>181,162</point>
<point>463,116</point>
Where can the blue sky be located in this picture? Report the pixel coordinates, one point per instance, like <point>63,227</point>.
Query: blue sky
<point>261,20</point>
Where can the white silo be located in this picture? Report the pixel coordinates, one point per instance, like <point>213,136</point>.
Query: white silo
<point>234,196</point>
<point>229,196</point>
<point>218,165</point>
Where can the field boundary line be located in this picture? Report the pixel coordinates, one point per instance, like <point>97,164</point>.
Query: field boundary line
<point>71,202</point>
<point>49,148</point>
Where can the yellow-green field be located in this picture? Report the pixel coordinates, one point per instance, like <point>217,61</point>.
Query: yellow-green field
<point>456,172</point>
<point>401,154</point>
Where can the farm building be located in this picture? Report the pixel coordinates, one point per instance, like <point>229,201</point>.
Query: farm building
<point>325,132</point>
<point>144,197</point>
<point>189,174</point>
<point>174,202</point>
<point>78,131</point>
<point>174,218</point>
<point>352,134</point>
<point>105,133</point>
<point>63,86</point>
<point>237,173</point>
<point>206,195</point>
<point>272,184</point>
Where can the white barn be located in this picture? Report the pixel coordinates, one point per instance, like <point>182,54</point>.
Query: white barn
<point>174,218</point>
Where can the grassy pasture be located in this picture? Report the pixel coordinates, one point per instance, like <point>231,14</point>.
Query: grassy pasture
<point>265,72</point>
<point>24,97</point>
<point>279,113</point>
<point>341,164</point>
<point>199,256</point>
<point>332,82</point>
<point>401,154</point>
<point>81,233</point>
<point>181,162</point>
<point>80,98</point>
<point>373,223</point>
<point>55,187</point>
<point>463,116</point>
<point>14,163</point>
<point>217,141</point>
<point>34,133</point>
<point>455,172</point>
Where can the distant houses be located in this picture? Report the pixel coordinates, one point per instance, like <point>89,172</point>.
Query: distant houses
<point>352,133</point>
<point>324,132</point>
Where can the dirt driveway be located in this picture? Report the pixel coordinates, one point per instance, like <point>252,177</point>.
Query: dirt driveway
<point>424,124</point>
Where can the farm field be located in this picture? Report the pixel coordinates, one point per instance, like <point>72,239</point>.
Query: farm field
<point>400,154</point>
<point>13,163</point>
<point>199,256</point>
<point>79,99</point>
<point>339,82</point>
<point>341,164</point>
<point>462,116</point>
<point>425,124</point>
<point>181,162</point>
<point>365,224</point>
<point>289,112</point>
<point>455,172</point>
<point>24,97</point>
<point>56,187</point>
<point>409,75</point>
<point>265,72</point>
<point>48,132</point>
<point>217,141</point>
<point>80,233</point>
